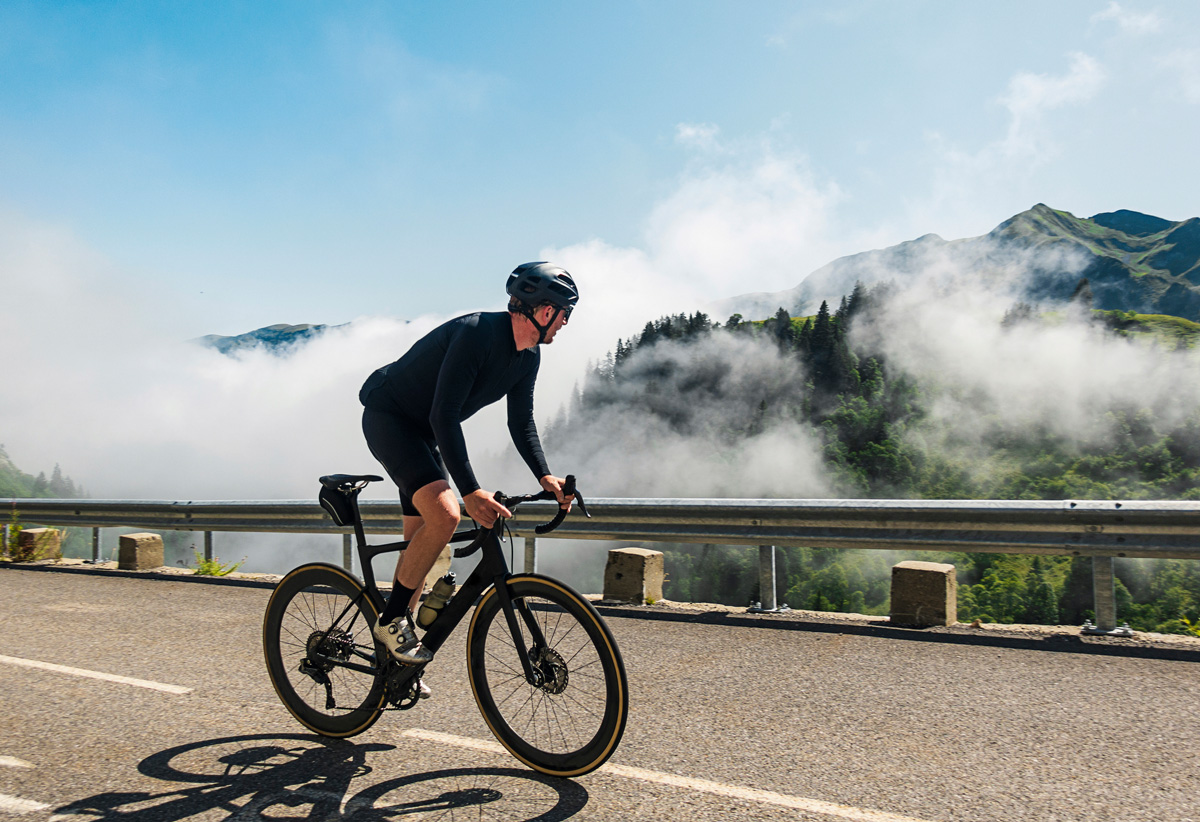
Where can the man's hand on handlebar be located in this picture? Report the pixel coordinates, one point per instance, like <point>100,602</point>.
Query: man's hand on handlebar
<point>555,485</point>
<point>482,507</point>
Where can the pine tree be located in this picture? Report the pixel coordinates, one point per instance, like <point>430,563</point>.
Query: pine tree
<point>1042,607</point>
<point>785,334</point>
<point>857,301</point>
<point>822,333</point>
<point>804,338</point>
<point>649,336</point>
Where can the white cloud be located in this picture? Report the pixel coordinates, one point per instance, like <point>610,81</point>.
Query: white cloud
<point>1009,163</point>
<point>1029,96</point>
<point>744,216</point>
<point>697,135</point>
<point>98,381</point>
<point>1129,22</point>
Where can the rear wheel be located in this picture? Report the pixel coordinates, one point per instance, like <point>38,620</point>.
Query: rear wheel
<point>320,652</point>
<point>570,718</point>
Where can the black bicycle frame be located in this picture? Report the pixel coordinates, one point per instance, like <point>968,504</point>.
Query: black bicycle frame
<point>491,570</point>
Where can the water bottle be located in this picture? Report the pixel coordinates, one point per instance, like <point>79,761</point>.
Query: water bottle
<point>437,598</point>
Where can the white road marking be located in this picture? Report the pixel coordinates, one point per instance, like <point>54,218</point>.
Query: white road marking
<point>13,804</point>
<point>123,680</point>
<point>13,762</point>
<point>701,785</point>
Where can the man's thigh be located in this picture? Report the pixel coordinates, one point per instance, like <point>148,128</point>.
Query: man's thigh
<point>408,455</point>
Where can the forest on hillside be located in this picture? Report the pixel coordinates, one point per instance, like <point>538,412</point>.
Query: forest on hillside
<point>16,483</point>
<point>874,428</point>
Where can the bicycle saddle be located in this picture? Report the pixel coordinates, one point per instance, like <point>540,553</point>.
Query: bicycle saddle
<point>346,482</point>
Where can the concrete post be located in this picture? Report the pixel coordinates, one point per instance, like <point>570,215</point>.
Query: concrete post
<point>1104,593</point>
<point>633,575</point>
<point>766,577</point>
<point>40,543</point>
<point>530,555</point>
<point>140,552</point>
<point>924,594</point>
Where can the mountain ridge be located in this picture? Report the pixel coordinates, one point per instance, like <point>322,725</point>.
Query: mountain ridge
<point>1133,261</point>
<point>275,338</point>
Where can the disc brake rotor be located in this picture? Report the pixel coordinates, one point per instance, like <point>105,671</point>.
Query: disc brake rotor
<point>552,667</point>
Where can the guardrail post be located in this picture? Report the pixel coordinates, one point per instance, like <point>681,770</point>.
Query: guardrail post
<point>530,555</point>
<point>1104,593</point>
<point>347,553</point>
<point>95,545</point>
<point>766,576</point>
<point>1104,599</point>
<point>208,549</point>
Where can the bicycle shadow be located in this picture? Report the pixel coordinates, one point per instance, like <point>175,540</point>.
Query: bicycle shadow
<point>307,777</point>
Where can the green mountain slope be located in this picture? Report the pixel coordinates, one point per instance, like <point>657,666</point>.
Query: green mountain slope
<point>1134,262</point>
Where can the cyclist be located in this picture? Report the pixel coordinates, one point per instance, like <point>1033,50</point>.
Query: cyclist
<point>412,420</point>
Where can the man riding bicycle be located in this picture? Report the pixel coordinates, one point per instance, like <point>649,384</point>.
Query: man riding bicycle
<point>412,420</point>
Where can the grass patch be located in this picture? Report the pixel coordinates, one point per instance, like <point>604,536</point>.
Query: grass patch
<point>213,567</point>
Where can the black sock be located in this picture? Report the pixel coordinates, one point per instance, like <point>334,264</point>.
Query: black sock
<point>397,603</point>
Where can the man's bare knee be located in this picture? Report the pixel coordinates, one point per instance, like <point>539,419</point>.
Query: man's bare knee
<point>439,508</point>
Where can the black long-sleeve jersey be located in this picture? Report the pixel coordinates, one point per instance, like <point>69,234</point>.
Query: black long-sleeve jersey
<point>452,372</point>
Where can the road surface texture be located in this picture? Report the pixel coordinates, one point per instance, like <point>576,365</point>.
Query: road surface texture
<point>732,717</point>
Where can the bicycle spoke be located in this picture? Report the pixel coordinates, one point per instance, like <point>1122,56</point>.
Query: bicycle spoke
<point>320,606</point>
<point>570,712</point>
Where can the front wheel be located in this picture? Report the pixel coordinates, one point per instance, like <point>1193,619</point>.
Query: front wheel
<point>320,652</point>
<point>568,721</point>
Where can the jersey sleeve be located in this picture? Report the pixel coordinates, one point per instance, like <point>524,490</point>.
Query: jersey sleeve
<point>521,425</point>
<point>460,368</point>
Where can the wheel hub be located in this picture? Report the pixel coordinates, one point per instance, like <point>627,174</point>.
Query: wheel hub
<point>552,667</point>
<point>322,648</point>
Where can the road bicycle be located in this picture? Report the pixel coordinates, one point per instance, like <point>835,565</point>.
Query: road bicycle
<point>544,668</point>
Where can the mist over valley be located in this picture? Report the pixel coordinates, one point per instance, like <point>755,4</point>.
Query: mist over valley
<point>1020,364</point>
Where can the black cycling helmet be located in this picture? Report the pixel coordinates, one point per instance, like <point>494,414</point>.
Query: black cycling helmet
<point>536,284</point>
<point>540,283</point>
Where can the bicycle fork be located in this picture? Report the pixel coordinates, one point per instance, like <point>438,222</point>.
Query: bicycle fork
<point>533,673</point>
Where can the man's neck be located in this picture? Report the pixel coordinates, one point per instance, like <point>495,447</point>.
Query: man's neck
<point>525,335</point>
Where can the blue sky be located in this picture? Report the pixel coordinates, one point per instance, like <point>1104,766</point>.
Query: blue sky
<point>253,163</point>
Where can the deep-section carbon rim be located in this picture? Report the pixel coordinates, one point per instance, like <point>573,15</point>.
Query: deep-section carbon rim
<point>572,721</point>
<point>309,626</point>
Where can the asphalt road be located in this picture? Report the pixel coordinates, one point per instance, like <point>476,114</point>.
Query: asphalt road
<point>731,718</point>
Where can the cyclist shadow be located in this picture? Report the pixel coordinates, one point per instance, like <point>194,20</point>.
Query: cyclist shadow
<point>298,776</point>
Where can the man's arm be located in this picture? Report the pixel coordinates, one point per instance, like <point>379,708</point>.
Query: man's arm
<point>525,437</point>
<point>522,426</point>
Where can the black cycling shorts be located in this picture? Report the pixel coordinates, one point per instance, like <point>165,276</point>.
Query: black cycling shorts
<point>409,456</point>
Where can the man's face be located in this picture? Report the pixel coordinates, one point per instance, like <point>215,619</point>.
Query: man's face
<point>560,319</point>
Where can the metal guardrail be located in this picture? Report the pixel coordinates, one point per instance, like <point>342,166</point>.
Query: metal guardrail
<point>1103,530</point>
<point>1076,528</point>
